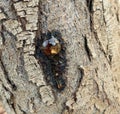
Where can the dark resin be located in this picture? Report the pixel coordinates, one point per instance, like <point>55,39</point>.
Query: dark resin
<point>53,65</point>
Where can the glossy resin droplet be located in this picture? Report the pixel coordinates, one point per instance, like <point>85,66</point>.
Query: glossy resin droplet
<point>51,46</point>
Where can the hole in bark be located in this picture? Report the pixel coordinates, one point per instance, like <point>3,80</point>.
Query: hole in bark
<point>53,64</point>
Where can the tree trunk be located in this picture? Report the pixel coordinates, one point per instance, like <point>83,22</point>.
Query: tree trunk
<point>89,82</point>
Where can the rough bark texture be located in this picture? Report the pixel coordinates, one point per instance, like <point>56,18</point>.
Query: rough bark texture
<point>91,31</point>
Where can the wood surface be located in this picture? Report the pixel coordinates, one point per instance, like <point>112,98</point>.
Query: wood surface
<point>90,30</point>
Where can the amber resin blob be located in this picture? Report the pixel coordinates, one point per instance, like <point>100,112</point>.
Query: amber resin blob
<point>51,46</point>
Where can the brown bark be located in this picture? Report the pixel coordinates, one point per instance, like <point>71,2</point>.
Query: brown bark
<point>90,30</point>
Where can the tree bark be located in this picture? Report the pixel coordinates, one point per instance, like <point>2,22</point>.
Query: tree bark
<point>90,30</point>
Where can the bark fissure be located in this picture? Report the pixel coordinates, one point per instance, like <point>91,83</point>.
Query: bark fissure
<point>79,82</point>
<point>88,51</point>
<point>23,22</point>
<point>81,73</point>
<point>106,96</point>
<point>103,10</point>
<point>2,35</point>
<point>90,9</point>
<point>12,84</point>
<point>102,50</point>
<point>11,101</point>
<point>21,109</point>
<point>90,5</point>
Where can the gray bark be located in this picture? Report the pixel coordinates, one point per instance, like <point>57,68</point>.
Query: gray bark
<point>91,33</point>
